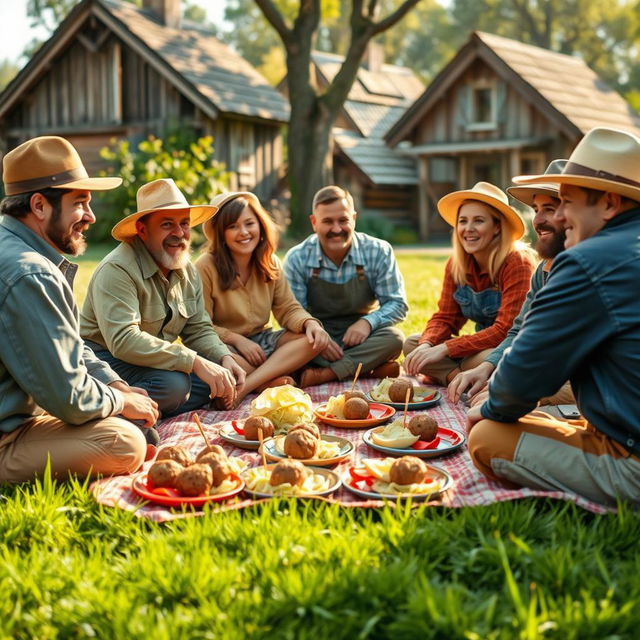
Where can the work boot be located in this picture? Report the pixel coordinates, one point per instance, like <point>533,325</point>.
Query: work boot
<point>389,369</point>
<point>313,376</point>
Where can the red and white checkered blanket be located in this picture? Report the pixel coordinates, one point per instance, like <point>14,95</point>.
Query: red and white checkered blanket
<point>470,487</point>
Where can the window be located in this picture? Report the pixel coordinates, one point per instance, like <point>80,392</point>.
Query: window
<point>483,107</point>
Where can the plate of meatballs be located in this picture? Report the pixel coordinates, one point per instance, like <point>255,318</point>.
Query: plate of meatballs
<point>176,478</point>
<point>392,392</point>
<point>245,433</point>
<point>353,410</point>
<point>303,442</point>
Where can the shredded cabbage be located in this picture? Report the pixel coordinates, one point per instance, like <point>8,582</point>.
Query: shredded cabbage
<point>285,406</point>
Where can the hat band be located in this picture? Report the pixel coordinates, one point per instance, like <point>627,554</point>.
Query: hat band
<point>580,170</point>
<point>33,184</point>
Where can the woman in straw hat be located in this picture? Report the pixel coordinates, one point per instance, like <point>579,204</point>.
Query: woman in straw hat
<point>243,283</point>
<point>486,280</point>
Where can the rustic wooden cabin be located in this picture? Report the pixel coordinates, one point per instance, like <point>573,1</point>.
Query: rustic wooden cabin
<point>501,108</point>
<point>113,70</point>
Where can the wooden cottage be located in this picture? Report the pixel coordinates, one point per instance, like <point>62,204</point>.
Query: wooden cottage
<point>112,69</point>
<point>501,108</point>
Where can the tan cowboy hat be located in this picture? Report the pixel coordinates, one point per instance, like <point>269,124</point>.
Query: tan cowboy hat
<point>605,159</point>
<point>160,195</point>
<point>525,194</point>
<point>48,162</point>
<point>220,200</point>
<point>488,193</point>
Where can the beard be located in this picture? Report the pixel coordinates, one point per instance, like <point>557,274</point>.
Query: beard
<point>551,246</point>
<point>64,239</point>
<point>175,261</point>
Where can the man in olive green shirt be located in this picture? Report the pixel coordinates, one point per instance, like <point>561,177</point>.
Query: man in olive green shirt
<point>145,294</point>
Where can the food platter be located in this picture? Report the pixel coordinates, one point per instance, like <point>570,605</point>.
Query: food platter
<point>273,450</point>
<point>230,432</point>
<point>171,498</point>
<point>330,481</point>
<point>448,441</point>
<point>426,397</point>
<point>378,414</point>
<point>360,486</point>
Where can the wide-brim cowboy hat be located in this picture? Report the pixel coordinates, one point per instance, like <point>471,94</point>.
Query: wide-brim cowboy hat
<point>48,162</point>
<point>160,195</point>
<point>525,193</point>
<point>220,200</point>
<point>488,193</point>
<point>605,159</point>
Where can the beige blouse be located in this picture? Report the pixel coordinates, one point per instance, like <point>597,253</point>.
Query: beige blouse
<point>246,308</point>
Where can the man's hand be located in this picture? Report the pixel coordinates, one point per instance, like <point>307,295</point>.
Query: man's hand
<point>249,350</point>
<point>357,333</point>
<point>332,352</point>
<point>316,335</point>
<point>219,378</point>
<point>470,381</point>
<point>137,404</point>
<point>480,398</point>
<point>240,375</point>
<point>474,416</point>
<point>423,355</point>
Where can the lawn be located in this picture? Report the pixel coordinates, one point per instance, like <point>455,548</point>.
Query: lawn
<point>528,569</point>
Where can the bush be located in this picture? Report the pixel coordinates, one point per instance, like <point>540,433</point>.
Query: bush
<point>188,161</point>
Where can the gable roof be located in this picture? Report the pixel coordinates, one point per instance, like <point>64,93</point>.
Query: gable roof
<point>568,91</point>
<point>206,70</point>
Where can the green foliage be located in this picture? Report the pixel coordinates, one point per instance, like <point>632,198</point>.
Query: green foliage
<point>8,70</point>
<point>189,162</point>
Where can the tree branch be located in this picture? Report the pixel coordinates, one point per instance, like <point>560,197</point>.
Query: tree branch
<point>394,17</point>
<point>275,19</point>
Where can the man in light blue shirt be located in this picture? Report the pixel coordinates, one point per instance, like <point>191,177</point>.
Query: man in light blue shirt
<point>351,282</point>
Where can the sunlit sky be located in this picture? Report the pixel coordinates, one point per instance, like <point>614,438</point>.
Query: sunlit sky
<point>16,32</point>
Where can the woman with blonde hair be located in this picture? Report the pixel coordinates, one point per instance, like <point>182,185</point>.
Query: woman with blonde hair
<point>243,283</point>
<point>486,280</point>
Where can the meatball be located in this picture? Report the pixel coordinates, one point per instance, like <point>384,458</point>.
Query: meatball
<point>311,427</point>
<point>181,455</point>
<point>300,444</point>
<point>219,467</point>
<point>211,448</point>
<point>425,427</point>
<point>356,409</point>
<point>290,471</point>
<point>408,470</point>
<point>252,424</point>
<point>355,394</point>
<point>164,473</point>
<point>194,480</point>
<point>398,391</point>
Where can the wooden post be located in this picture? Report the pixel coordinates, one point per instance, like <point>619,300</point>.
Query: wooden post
<point>423,199</point>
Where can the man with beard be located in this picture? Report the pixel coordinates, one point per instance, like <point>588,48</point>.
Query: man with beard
<point>351,282</point>
<point>544,200</point>
<point>58,403</point>
<point>145,294</point>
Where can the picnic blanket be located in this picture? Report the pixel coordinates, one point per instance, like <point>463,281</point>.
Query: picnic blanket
<point>470,487</point>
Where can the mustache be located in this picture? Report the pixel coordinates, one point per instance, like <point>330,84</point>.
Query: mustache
<point>342,234</point>
<point>544,227</point>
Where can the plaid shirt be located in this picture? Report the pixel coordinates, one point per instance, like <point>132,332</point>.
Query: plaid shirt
<point>380,268</point>
<point>513,282</point>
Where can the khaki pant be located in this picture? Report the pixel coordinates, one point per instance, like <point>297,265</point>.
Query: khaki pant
<point>542,452</point>
<point>110,446</point>
<point>440,370</point>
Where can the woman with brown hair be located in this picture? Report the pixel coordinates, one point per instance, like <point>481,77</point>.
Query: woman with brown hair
<point>486,280</point>
<point>243,283</point>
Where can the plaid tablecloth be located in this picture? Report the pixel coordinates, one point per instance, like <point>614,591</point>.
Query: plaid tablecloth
<point>470,487</point>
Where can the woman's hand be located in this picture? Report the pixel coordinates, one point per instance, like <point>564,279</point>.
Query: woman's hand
<point>470,381</point>
<point>248,349</point>
<point>316,335</point>
<point>423,355</point>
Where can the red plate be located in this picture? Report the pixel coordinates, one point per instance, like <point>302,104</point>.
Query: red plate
<point>378,414</point>
<point>171,498</point>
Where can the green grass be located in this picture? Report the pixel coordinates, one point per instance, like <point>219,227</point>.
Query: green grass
<point>70,568</point>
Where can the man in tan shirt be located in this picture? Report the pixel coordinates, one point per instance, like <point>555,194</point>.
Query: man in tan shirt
<point>145,294</point>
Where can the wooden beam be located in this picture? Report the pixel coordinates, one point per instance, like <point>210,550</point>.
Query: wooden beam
<point>423,199</point>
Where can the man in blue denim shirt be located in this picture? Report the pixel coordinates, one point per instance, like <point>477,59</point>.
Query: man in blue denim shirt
<point>584,325</point>
<point>58,402</point>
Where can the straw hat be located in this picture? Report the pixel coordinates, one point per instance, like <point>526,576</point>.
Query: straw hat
<point>48,162</point>
<point>605,159</point>
<point>160,195</point>
<point>449,205</point>
<point>525,194</point>
<point>220,200</point>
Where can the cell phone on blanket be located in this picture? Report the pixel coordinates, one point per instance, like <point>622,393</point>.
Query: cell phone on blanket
<point>569,411</point>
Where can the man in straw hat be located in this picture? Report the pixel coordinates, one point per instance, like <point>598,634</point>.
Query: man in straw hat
<point>584,325</point>
<point>543,198</point>
<point>145,294</point>
<point>59,402</point>
<point>351,282</point>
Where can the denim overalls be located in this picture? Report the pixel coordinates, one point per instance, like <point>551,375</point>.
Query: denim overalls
<point>480,306</point>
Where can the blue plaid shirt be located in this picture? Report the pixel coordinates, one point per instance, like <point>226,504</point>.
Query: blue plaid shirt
<point>380,268</point>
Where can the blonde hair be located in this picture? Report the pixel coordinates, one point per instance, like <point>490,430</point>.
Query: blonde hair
<point>500,247</point>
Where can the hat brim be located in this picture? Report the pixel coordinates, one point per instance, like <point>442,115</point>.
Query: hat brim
<point>449,205</point>
<point>525,194</point>
<point>91,184</point>
<point>126,228</point>
<point>588,182</point>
